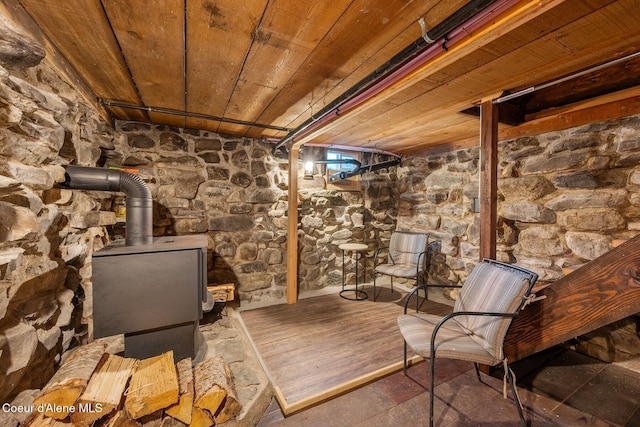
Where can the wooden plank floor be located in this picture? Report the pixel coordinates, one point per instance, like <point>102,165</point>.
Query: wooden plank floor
<point>324,346</point>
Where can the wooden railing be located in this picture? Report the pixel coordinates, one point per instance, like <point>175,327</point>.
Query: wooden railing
<point>601,292</point>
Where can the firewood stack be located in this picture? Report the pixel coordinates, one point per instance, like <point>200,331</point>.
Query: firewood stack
<point>101,389</point>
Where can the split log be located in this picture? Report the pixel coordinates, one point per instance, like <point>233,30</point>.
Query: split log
<point>153,386</point>
<point>214,389</point>
<point>210,384</point>
<point>222,293</point>
<point>182,410</point>
<point>200,418</point>
<point>66,385</point>
<point>172,422</point>
<point>151,420</point>
<point>121,419</point>
<point>35,419</point>
<point>104,391</point>
<point>41,420</point>
<point>230,407</point>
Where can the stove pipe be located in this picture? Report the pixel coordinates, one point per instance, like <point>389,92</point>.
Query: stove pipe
<point>139,204</point>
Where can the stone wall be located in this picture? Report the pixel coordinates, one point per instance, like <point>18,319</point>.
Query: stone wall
<point>47,235</point>
<point>330,217</point>
<point>563,198</point>
<point>232,189</point>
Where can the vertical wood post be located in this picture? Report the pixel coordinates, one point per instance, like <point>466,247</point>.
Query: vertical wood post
<point>292,226</point>
<point>488,179</point>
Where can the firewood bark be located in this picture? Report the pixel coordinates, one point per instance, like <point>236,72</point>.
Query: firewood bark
<point>200,418</point>
<point>66,385</point>
<point>172,422</point>
<point>152,420</point>
<point>104,390</point>
<point>210,384</point>
<point>121,419</point>
<point>230,406</point>
<point>41,420</point>
<point>182,410</point>
<point>153,386</point>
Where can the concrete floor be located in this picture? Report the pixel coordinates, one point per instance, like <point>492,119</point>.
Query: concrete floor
<point>558,387</point>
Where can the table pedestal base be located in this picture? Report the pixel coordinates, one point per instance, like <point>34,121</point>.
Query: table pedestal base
<point>359,294</point>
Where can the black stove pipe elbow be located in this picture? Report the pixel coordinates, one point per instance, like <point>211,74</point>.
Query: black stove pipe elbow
<point>139,203</point>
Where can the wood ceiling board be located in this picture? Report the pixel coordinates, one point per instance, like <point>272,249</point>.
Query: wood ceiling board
<point>418,139</point>
<point>219,35</point>
<point>414,128</point>
<point>434,13</point>
<point>393,119</point>
<point>151,36</point>
<point>203,124</point>
<point>579,47</point>
<point>128,114</point>
<point>434,149</point>
<point>282,44</point>
<point>81,32</point>
<point>487,78</point>
<point>168,119</point>
<point>530,31</point>
<point>487,33</point>
<point>363,35</point>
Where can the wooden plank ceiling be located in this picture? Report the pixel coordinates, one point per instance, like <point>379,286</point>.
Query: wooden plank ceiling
<point>266,66</point>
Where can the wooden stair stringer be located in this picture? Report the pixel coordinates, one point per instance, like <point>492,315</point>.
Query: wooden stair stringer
<point>603,291</point>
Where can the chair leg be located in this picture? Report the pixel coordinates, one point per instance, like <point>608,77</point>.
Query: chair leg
<point>475,365</point>
<point>404,361</point>
<point>516,398</point>
<point>374,286</point>
<point>432,370</point>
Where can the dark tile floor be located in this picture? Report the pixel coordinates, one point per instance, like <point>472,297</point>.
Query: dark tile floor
<point>558,387</point>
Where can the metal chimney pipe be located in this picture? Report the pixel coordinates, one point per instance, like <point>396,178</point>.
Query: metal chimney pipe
<point>139,204</point>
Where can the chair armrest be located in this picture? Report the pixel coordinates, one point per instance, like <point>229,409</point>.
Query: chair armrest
<point>462,313</point>
<point>377,252</point>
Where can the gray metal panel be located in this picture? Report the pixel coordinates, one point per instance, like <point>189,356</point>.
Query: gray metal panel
<point>134,292</point>
<point>181,339</point>
<point>166,243</point>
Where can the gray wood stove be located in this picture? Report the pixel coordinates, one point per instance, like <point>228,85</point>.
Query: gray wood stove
<point>152,294</point>
<point>152,290</point>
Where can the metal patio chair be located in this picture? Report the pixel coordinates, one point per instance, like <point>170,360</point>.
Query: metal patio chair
<point>406,257</point>
<point>492,295</point>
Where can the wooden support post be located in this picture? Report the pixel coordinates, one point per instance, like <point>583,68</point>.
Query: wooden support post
<point>292,226</point>
<point>488,179</point>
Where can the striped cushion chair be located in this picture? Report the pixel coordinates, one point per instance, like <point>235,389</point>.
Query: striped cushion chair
<point>490,298</point>
<point>406,257</point>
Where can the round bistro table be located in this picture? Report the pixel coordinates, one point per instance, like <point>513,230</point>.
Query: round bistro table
<point>359,294</point>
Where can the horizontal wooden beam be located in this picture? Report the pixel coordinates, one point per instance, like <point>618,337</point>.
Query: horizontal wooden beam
<point>609,107</point>
<point>603,291</point>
